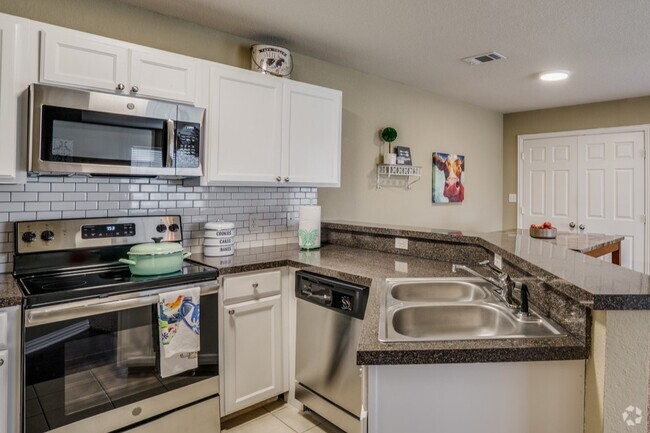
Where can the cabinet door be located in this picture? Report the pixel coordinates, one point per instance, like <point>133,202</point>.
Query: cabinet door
<point>253,352</point>
<point>76,59</point>
<point>312,134</point>
<point>5,398</point>
<point>163,75</point>
<point>12,40</point>
<point>245,127</point>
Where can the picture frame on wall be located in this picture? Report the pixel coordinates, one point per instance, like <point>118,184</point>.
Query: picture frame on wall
<point>403,155</point>
<point>448,177</point>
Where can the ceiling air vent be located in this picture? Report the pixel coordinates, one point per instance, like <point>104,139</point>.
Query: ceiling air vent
<point>483,58</point>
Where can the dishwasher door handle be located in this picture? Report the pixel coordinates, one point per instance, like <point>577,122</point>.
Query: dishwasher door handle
<point>308,294</point>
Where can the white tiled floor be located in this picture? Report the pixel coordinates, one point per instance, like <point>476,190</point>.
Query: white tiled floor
<point>278,417</point>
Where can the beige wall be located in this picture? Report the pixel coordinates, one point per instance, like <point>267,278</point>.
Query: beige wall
<point>635,111</point>
<point>426,122</point>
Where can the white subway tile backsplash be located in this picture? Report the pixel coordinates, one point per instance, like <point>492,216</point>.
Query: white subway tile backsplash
<point>37,206</point>
<point>96,197</point>
<point>50,196</point>
<point>63,205</point>
<point>24,196</point>
<point>63,187</point>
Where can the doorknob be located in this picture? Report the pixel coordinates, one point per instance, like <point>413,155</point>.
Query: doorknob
<point>581,226</point>
<point>572,225</point>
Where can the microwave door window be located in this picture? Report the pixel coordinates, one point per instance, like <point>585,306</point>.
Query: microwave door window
<point>76,136</point>
<point>83,142</point>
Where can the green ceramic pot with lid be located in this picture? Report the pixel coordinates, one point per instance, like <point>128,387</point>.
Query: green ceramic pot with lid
<point>155,258</point>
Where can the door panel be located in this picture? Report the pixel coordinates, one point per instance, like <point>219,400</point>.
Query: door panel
<point>164,76</point>
<point>611,173</point>
<point>81,61</point>
<point>312,134</point>
<point>593,180</point>
<point>253,352</point>
<point>549,182</point>
<point>245,119</point>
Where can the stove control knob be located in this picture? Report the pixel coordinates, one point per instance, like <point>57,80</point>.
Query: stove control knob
<point>47,235</point>
<point>161,228</point>
<point>29,237</point>
<point>173,228</point>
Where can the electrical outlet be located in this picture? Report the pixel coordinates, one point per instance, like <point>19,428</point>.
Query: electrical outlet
<point>497,261</point>
<point>401,267</point>
<point>512,198</point>
<point>402,243</point>
<point>292,221</point>
<point>254,221</point>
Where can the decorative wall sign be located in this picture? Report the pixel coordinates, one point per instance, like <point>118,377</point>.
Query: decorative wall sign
<point>403,155</point>
<point>448,177</point>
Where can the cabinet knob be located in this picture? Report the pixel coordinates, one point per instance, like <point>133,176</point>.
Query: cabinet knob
<point>231,312</point>
<point>255,285</point>
<point>572,225</point>
<point>2,362</point>
<point>279,179</point>
<point>135,89</point>
<point>286,179</point>
<point>581,226</point>
<point>121,86</point>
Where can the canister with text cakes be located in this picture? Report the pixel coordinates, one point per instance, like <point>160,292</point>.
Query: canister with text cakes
<point>219,239</point>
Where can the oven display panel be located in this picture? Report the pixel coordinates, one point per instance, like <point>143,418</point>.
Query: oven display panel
<point>107,231</point>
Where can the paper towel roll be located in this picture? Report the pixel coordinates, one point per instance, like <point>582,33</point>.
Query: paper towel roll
<point>309,227</point>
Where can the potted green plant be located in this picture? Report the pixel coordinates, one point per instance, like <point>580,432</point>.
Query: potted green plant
<point>389,134</point>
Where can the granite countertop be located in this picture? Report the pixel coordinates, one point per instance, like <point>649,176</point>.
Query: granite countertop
<point>595,283</point>
<point>580,242</point>
<point>10,294</point>
<point>371,268</point>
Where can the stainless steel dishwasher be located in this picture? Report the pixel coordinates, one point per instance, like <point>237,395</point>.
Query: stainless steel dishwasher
<point>329,317</point>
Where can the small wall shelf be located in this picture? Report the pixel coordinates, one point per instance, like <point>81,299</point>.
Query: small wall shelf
<point>410,172</point>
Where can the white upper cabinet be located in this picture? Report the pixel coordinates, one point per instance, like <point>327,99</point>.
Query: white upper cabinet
<point>68,58</point>
<point>163,76</point>
<point>271,131</point>
<point>312,134</point>
<point>72,58</point>
<point>13,43</point>
<point>245,121</point>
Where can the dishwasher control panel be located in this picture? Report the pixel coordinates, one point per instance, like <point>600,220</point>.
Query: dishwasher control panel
<point>341,296</point>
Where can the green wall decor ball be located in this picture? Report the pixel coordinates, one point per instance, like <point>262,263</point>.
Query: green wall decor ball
<point>389,134</point>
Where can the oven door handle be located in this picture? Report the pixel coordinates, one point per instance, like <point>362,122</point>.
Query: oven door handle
<point>171,143</point>
<point>77,310</point>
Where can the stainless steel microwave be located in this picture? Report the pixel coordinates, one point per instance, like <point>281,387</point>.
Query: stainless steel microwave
<point>75,131</point>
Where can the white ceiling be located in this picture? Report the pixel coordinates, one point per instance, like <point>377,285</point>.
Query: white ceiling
<point>604,43</point>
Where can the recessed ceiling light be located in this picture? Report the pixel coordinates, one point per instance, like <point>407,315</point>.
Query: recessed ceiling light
<point>554,75</point>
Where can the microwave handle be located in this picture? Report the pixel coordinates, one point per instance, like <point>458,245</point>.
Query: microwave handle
<point>63,312</point>
<point>171,143</point>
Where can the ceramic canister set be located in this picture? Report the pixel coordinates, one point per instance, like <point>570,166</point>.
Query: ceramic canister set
<point>219,239</point>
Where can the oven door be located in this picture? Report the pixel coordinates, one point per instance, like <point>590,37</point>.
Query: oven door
<point>94,365</point>
<point>73,131</point>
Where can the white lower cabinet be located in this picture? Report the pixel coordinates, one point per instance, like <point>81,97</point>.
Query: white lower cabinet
<point>10,370</point>
<point>4,390</point>
<point>499,397</point>
<point>254,345</point>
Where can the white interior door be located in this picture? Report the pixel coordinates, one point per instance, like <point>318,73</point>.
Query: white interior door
<point>612,193</point>
<point>549,184</point>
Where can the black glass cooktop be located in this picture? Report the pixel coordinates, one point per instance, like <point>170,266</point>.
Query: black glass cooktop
<point>58,287</point>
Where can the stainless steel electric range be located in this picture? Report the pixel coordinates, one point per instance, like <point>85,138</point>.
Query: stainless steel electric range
<point>91,351</point>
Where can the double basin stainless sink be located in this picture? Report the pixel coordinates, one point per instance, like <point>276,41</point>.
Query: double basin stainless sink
<point>436,309</point>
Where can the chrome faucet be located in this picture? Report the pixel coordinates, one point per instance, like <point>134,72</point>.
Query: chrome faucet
<point>506,287</point>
